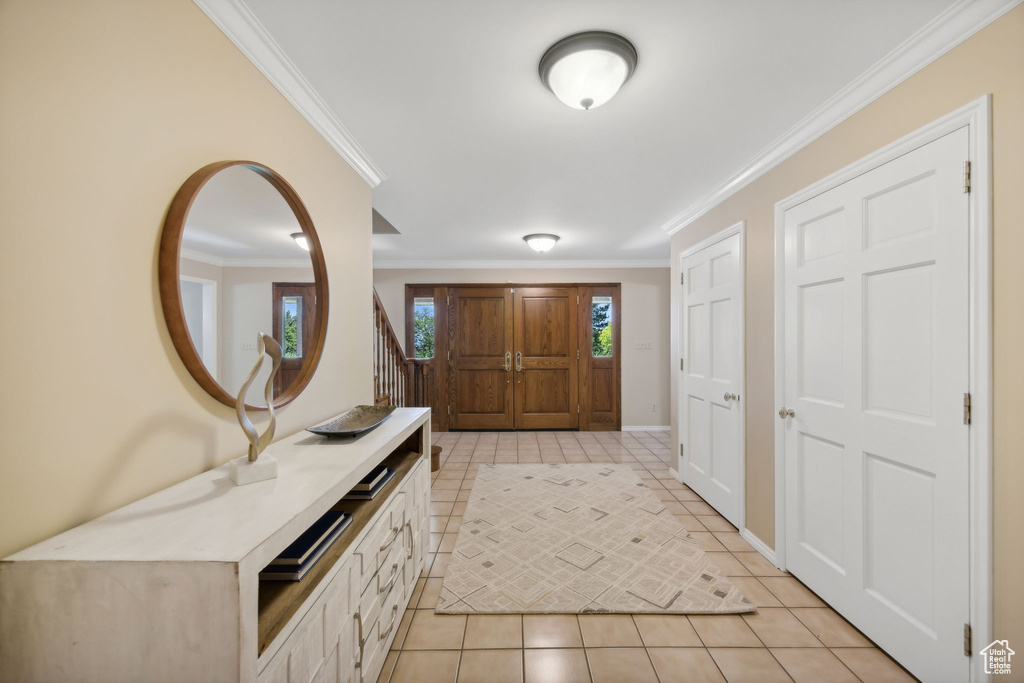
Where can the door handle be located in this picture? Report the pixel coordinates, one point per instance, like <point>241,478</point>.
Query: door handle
<point>519,361</point>
<point>786,412</point>
<point>508,361</point>
<point>731,397</point>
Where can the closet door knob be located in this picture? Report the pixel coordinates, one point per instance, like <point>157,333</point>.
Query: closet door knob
<point>786,412</point>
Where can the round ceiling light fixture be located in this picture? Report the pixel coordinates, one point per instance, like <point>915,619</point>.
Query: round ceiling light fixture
<point>585,70</point>
<point>541,241</point>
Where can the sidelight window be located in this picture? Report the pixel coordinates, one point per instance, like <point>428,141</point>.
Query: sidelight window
<point>291,322</point>
<point>423,326</point>
<point>602,326</point>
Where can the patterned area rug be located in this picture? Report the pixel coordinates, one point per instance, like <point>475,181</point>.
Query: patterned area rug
<point>577,538</point>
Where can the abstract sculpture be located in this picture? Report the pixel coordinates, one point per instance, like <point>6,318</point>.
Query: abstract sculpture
<point>250,469</point>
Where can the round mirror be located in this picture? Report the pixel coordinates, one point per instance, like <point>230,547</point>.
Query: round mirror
<point>239,256</point>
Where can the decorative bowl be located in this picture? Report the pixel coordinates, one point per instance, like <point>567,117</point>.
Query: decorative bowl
<point>356,421</point>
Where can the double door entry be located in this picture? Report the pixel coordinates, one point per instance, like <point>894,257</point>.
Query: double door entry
<point>514,358</point>
<point>535,357</point>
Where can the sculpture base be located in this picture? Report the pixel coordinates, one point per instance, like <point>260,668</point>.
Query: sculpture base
<point>244,472</point>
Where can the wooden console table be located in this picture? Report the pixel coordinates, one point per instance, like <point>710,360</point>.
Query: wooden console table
<point>167,588</point>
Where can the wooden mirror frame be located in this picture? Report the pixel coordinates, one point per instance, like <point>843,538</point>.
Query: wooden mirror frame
<point>170,289</point>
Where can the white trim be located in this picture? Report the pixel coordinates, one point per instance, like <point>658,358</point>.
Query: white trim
<point>460,265</point>
<point>954,25</point>
<point>208,354</point>
<point>977,117</point>
<point>741,405</point>
<point>219,261</point>
<point>241,26</point>
<point>651,428</point>
<point>757,544</point>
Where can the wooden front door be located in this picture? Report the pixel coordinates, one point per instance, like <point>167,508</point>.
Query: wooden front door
<point>294,312</point>
<point>521,357</point>
<point>480,366</point>
<point>600,358</point>
<point>546,358</point>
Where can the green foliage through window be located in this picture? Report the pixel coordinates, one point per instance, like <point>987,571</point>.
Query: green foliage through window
<point>292,323</point>
<point>602,327</point>
<point>423,327</point>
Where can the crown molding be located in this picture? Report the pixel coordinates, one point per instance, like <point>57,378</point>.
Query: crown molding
<point>956,24</point>
<point>210,259</point>
<point>462,265</point>
<point>241,26</point>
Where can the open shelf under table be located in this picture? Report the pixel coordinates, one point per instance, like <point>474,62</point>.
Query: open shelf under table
<point>280,600</point>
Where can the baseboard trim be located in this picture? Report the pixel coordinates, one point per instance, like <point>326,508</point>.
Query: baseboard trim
<point>649,428</point>
<point>759,545</point>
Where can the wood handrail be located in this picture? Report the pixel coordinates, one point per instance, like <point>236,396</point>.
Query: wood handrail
<point>394,374</point>
<point>378,305</point>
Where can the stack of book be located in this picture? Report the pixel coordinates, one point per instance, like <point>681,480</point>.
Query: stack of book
<point>372,484</point>
<point>298,558</point>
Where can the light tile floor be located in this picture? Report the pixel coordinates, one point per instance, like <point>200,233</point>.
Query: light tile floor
<point>793,635</point>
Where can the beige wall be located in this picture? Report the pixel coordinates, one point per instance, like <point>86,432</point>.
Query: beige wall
<point>645,317</point>
<point>106,107</point>
<point>992,61</point>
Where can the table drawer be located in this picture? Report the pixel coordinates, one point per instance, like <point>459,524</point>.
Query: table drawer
<point>383,632</point>
<point>384,533</point>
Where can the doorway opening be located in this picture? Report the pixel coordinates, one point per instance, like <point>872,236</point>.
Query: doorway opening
<point>513,356</point>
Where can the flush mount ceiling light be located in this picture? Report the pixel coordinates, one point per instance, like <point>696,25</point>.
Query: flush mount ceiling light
<point>541,241</point>
<point>585,70</point>
<point>301,239</point>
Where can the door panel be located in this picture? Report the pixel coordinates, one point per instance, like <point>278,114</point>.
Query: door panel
<point>546,362</point>
<point>558,376</point>
<point>599,374</point>
<point>710,416</point>
<point>480,340</point>
<point>294,307</point>
<point>876,353</point>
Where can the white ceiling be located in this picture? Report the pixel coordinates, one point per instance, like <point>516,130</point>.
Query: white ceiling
<point>444,97</point>
<point>239,216</point>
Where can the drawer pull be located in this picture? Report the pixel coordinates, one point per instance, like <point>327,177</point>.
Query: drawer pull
<point>362,641</point>
<point>394,535</point>
<point>412,541</point>
<point>394,618</point>
<point>391,581</point>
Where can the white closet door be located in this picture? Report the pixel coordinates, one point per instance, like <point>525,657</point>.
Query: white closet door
<point>713,361</point>
<point>876,354</point>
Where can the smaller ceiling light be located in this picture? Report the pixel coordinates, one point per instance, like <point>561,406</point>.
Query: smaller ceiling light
<point>541,242</point>
<point>301,239</point>
<point>585,70</point>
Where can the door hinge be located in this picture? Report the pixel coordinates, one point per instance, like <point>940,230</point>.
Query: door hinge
<point>680,450</point>
<point>449,354</point>
<point>968,650</point>
<point>578,411</point>
<point>967,177</point>
<point>449,410</point>
<point>448,299</point>
<point>577,354</point>
<point>967,409</point>
<point>682,278</point>
<point>577,299</point>
<point>680,363</point>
